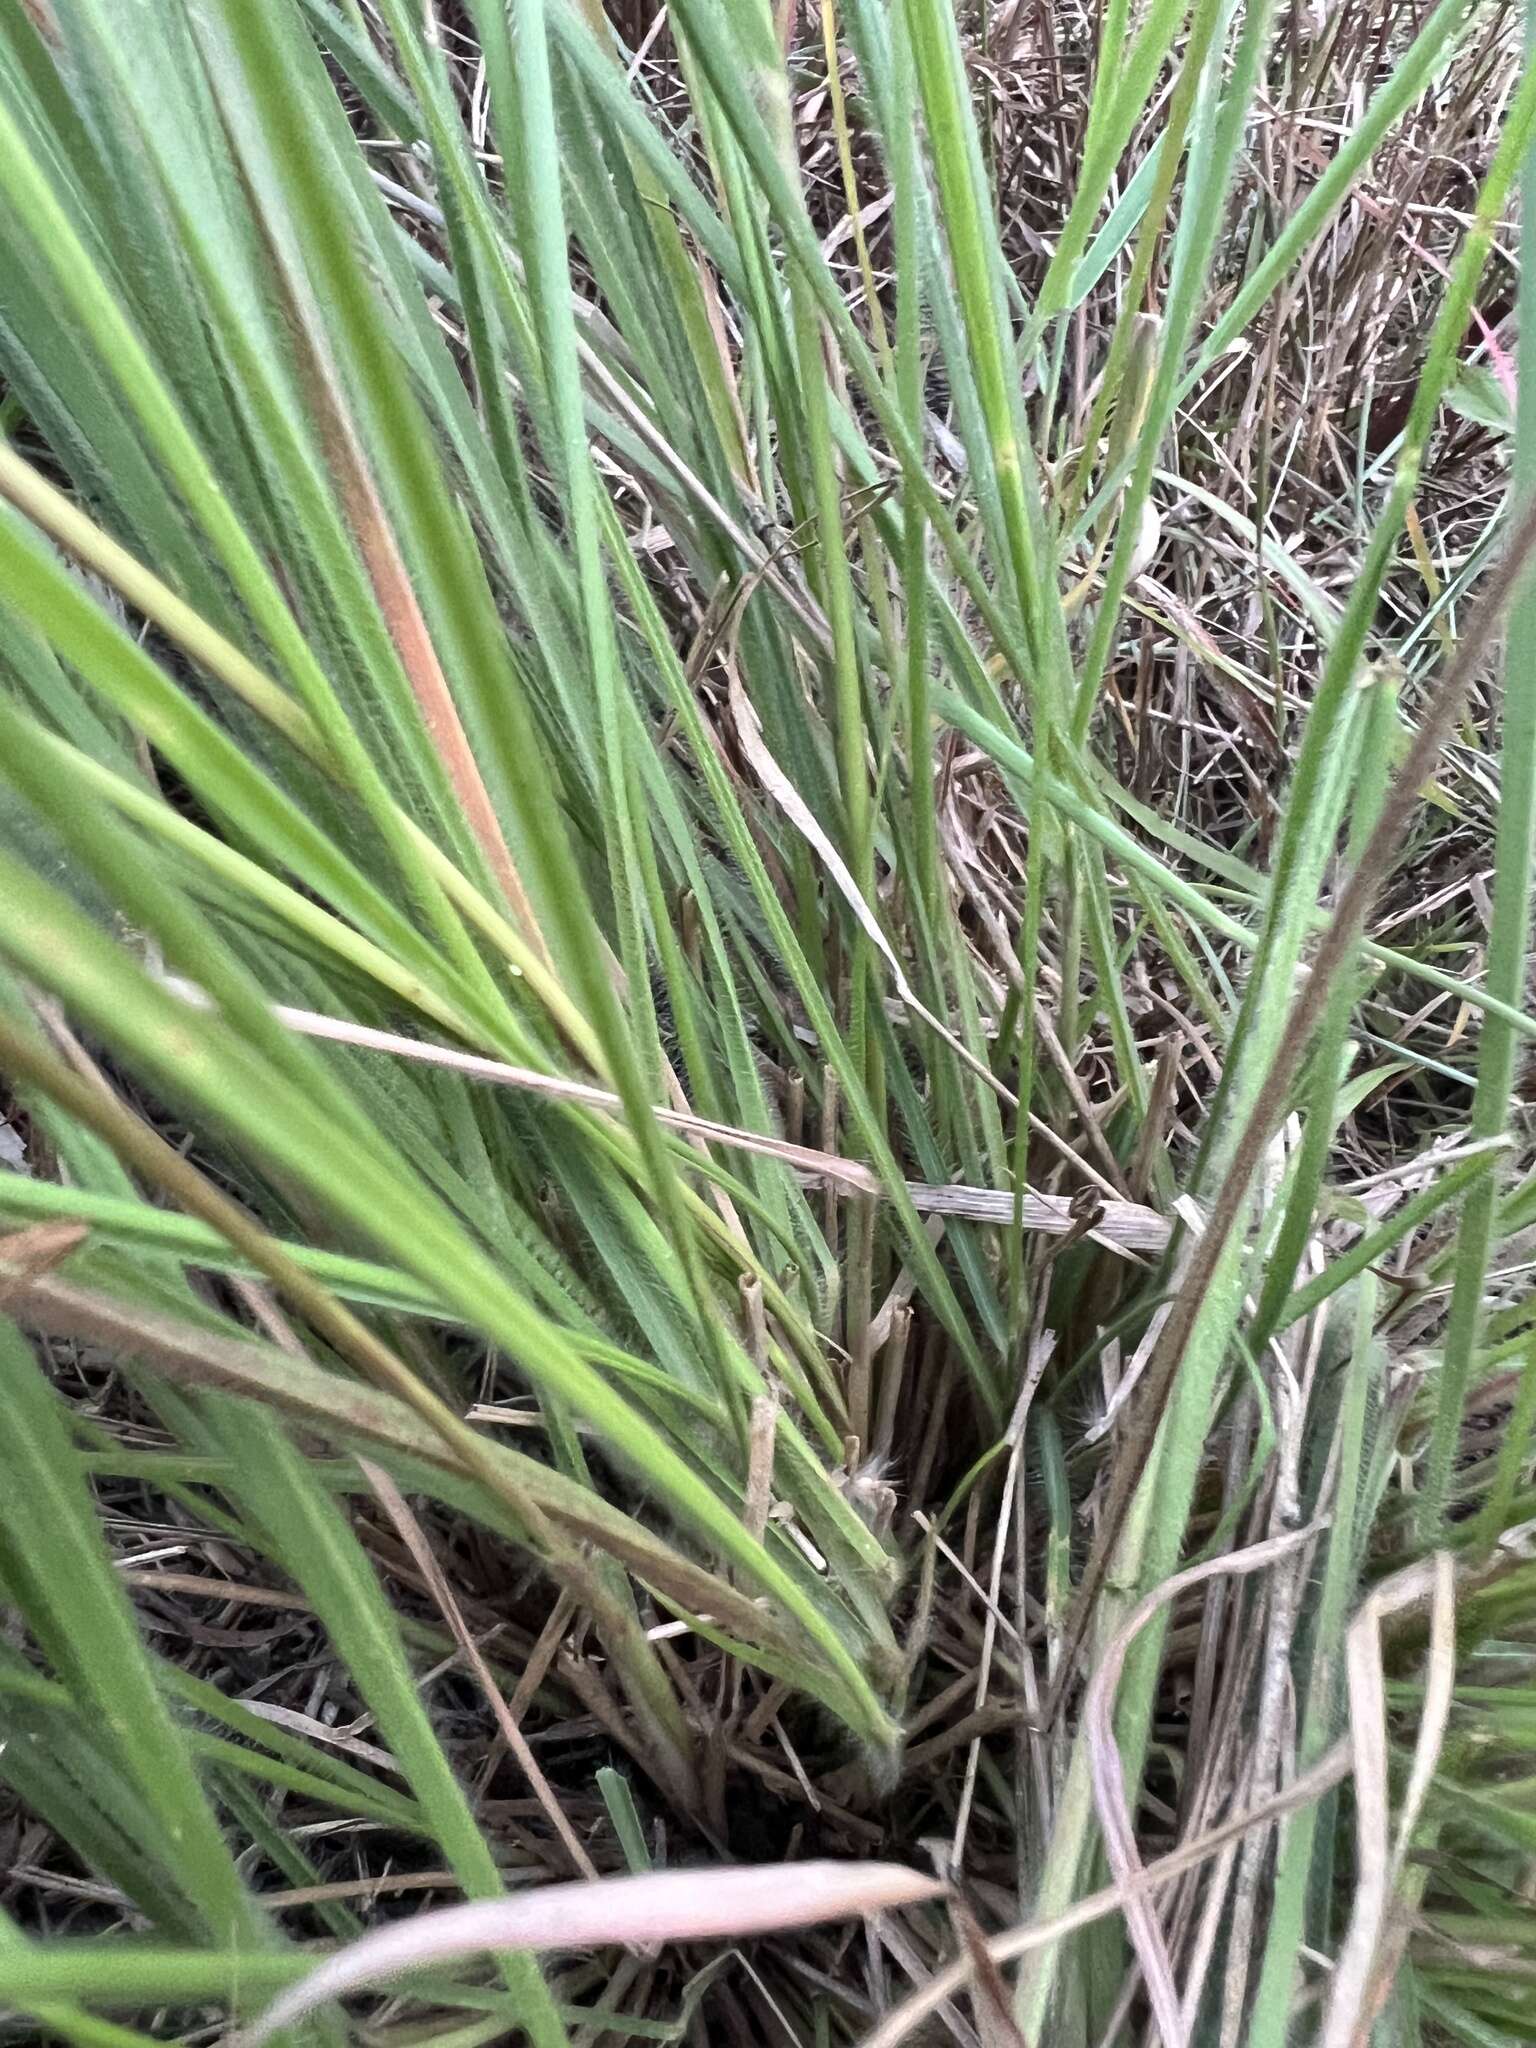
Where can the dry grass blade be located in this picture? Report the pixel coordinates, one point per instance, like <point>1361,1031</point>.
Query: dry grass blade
<point>1109,1780</point>
<point>898,2026</point>
<point>414,1537</point>
<point>995,2024</point>
<point>676,1905</point>
<point>26,1255</point>
<point>1118,1225</point>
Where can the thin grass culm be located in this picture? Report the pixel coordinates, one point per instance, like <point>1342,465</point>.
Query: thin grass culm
<point>766,1026</point>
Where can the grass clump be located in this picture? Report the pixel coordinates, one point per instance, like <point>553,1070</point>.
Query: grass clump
<point>768,806</point>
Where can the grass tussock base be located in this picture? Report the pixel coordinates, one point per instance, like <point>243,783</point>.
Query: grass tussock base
<point>767,785</point>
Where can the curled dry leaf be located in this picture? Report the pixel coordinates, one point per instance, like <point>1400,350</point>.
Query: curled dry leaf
<point>673,1905</point>
<point>1358,1979</point>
